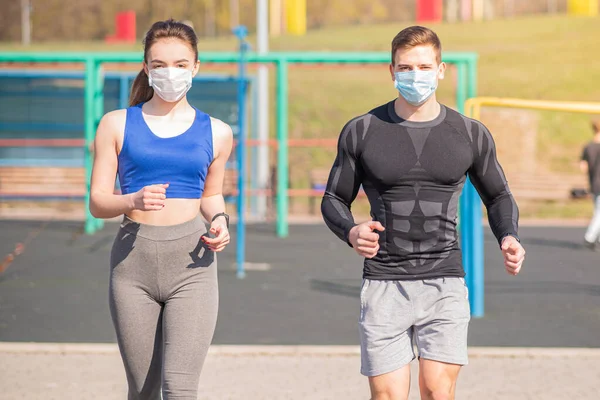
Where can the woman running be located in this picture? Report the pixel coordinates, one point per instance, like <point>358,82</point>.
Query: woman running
<point>170,159</point>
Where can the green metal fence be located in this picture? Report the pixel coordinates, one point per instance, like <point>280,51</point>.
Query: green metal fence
<point>466,65</point>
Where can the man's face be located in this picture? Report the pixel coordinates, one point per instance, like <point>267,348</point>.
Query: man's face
<point>421,58</point>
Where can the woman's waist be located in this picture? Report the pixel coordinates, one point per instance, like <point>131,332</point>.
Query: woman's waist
<point>175,211</point>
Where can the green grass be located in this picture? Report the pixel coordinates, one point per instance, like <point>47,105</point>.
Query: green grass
<point>547,57</point>
<point>561,138</point>
<point>536,57</point>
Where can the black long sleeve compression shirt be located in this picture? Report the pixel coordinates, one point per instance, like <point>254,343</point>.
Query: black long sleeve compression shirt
<point>413,174</point>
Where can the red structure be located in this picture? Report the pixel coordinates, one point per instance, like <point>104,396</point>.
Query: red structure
<point>430,10</point>
<point>124,28</point>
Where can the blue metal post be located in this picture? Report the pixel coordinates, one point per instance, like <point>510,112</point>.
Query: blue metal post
<point>471,229</point>
<point>477,254</point>
<point>241,32</point>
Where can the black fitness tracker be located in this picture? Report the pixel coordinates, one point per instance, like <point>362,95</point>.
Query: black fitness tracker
<point>222,214</point>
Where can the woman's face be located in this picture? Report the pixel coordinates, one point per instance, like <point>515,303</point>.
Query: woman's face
<point>173,53</point>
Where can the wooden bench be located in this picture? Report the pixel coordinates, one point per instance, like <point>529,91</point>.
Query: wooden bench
<point>545,186</point>
<point>42,182</point>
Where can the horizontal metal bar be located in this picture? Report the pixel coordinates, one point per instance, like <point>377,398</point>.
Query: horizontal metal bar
<point>60,74</point>
<point>230,57</point>
<point>567,106</point>
<point>40,196</point>
<point>41,162</point>
<point>42,142</point>
<point>40,126</point>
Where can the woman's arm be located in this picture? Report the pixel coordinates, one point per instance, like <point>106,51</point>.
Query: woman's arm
<point>103,202</point>
<point>213,202</point>
<point>212,198</point>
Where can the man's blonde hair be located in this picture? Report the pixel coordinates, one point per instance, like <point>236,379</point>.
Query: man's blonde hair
<point>596,125</point>
<point>414,36</point>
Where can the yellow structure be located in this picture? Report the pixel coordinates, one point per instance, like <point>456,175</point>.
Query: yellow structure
<point>588,8</point>
<point>296,16</point>
<point>473,106</point>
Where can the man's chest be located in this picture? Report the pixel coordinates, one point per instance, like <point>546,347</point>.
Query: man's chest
<point>401,157</point>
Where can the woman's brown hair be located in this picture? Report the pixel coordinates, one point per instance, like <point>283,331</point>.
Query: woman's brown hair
<point>141,90</point>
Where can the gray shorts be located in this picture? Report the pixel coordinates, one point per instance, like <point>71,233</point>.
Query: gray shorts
<point>432,314</point>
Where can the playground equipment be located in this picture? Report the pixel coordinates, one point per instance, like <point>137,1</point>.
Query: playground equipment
<point>471,213</point>
<point>466,70</point>
<point>589,8</point>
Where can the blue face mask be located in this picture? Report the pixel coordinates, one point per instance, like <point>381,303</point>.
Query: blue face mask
<point>416,86</point>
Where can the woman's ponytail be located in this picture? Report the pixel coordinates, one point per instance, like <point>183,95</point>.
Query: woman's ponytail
<point>141,91</point>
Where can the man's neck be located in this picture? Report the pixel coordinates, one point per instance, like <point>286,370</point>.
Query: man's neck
<point>427,111</point>
<point>596,137</point>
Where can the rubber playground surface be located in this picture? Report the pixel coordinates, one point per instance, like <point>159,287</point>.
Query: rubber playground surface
<point>299,291</point>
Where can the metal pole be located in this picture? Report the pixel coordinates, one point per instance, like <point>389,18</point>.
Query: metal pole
<point>26,22</point>
<point>464,211</point>
<point>477,253</point>
<point>241,32</point>
<point>262,178</point>
<point>90,89</point>
<point>98,113</point>
<point>282,149</point>
<point>471,228</point>
<point>470,206</point>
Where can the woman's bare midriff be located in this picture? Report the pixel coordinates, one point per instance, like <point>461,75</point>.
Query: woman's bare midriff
<point>176,211</point>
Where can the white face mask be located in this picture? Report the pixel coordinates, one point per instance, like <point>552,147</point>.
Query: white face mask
<point>170,83</point>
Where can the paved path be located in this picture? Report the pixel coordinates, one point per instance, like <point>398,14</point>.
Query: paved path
<point>57,289</point>
<point>260,373</point>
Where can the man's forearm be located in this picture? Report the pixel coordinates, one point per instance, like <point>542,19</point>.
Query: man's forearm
<point>337,216</point>
<point>503,216</point>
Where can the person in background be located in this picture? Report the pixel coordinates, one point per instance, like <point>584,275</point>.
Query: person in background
<point>590,164</point>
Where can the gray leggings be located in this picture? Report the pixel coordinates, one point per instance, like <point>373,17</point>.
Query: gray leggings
<point>163,302</point>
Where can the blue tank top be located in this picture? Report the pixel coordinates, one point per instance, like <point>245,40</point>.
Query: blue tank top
<point>182,161</point>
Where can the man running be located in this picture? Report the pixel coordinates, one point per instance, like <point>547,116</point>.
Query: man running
<point>590,164</point>
<point>412,156</point>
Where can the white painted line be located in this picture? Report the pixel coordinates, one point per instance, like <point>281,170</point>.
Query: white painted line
<point>534,352</point>
<point>262,350</point>
<point>248,266</point>
<point>58,348</point>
